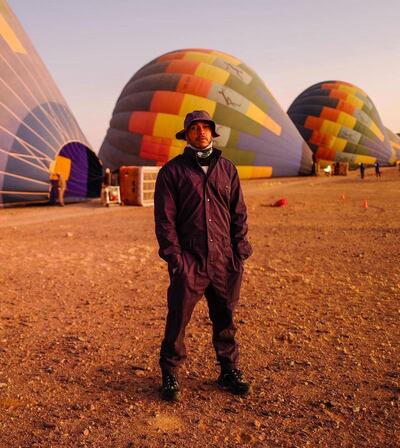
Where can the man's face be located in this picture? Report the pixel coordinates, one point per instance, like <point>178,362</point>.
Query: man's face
<point>199,134</point>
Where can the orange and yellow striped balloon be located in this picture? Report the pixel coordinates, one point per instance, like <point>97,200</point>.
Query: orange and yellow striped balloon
<point>341,124</point>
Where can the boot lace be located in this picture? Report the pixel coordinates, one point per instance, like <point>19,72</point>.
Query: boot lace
<point>236,374</point>
<point>170,382</point>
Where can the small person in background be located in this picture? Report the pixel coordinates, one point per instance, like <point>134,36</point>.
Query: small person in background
<point>377,169</point>
<point>107,182</point>
<point>62,186</point>
<point>362,170</point>
<point>107,178</point>
<point>314,167</point>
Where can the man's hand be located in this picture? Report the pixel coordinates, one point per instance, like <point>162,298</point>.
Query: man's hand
<point>178,266</point>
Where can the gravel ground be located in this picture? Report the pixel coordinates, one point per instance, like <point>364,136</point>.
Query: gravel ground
<point>82,312</point>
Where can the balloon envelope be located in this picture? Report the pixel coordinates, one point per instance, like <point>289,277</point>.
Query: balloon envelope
<point>255,133</point>
<point>340,123</point>
<point>394,140</point>
<point>38,134</point>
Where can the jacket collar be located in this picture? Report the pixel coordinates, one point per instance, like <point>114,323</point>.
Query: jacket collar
<point>190,157</point>
<point>190,153</point>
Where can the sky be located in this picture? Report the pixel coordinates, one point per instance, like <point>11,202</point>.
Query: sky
<point>93,47</point>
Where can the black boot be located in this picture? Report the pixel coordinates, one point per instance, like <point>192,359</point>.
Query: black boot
<point>170,390</point>
<point>233,381</point>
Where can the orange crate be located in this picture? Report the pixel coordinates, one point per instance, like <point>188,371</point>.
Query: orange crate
<point>137,184</point>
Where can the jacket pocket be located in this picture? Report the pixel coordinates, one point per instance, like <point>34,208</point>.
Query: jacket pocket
<point>221,188</point>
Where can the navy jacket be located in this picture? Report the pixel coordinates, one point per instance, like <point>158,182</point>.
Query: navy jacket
<point>203,214</point>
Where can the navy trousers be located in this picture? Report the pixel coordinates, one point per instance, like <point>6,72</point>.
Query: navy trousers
<point>221,288</point>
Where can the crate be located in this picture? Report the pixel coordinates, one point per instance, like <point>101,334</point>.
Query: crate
<point>111,195</point>
<point>137,184</point>
<point>341,168</point>
<point>338,168</point>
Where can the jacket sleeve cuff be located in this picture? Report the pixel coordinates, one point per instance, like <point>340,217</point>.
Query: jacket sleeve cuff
<point>244,250</point>
<point>173,260</point>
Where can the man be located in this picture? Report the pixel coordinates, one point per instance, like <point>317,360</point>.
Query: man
<point>201,227</point>
<point>362,170</point>
<point>314,165</point>
<point>107,178</point>
<point>62,186</point>
<point>377,169</point>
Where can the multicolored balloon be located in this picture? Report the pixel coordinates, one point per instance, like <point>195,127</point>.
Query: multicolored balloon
<point>39,136</point>
<point>255,133</point>
<point>340,123</point>
<point>394,140</point>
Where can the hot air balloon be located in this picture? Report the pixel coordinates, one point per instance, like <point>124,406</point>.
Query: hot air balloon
<point>340,123</point>
<point>255,133</point>
<point>394,140</point>
<point>39,136</point>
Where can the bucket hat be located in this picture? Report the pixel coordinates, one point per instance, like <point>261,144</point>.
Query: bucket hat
<point>196,115</point>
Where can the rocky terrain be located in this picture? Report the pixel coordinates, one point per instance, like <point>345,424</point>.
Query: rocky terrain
<point>82,311</point>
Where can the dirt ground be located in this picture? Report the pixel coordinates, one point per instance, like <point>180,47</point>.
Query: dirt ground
<point>82,311</point>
